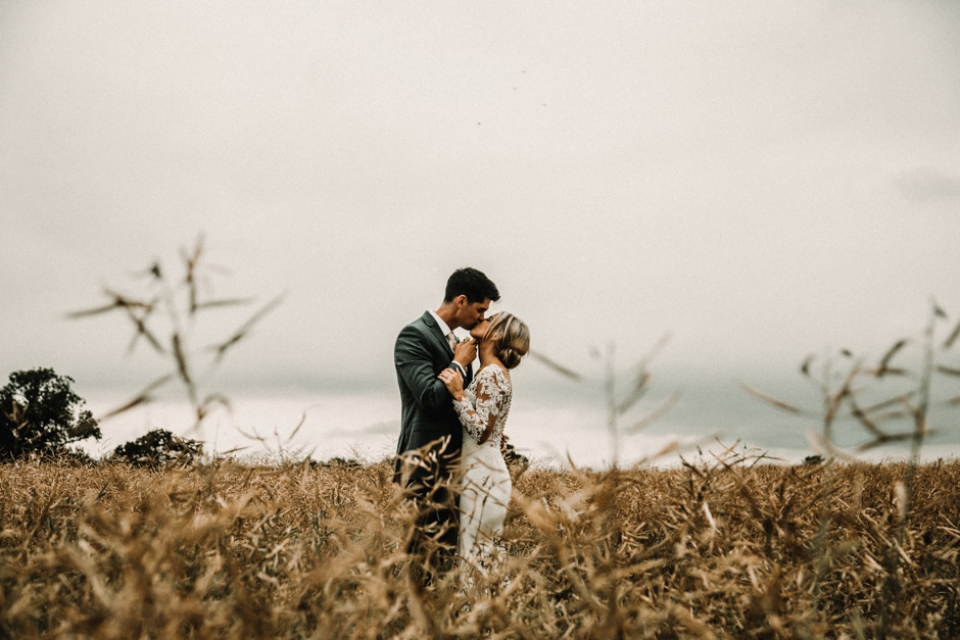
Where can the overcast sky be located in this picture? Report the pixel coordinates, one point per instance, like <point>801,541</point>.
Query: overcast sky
<point>760,180</point>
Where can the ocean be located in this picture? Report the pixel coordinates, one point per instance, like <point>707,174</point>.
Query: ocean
<point>550,428</point>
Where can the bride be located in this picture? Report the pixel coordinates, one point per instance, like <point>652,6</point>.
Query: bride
<point>482,408</point>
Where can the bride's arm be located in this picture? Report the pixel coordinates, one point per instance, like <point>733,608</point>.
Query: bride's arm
<point>479,415</point>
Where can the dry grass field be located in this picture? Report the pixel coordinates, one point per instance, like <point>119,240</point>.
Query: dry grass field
<point>228,550</point>
<point>724,549</point>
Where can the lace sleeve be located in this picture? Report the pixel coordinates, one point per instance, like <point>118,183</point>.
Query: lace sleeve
<point>480,417</point>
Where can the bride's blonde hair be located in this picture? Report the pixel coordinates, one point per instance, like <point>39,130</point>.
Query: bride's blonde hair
<point>510,337</point>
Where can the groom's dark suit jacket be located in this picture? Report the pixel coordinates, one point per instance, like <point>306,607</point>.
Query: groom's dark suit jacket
<point>420,354</point>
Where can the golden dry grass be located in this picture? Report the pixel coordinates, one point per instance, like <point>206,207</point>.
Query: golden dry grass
<point>229,550</point>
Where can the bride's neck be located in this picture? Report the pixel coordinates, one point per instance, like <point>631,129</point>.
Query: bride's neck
<point>486,355</point>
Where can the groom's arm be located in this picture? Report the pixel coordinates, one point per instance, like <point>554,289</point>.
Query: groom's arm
<point>415,365</point>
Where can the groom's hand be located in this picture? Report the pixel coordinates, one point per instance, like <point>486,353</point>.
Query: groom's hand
<point>465,352</point>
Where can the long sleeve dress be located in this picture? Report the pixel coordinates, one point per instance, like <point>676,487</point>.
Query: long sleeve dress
<point>486,485</point>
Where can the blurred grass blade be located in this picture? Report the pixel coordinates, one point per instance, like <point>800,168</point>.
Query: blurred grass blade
<point>665,406</point>
<point>884,439</point>
<point>234,450</point>
<point>303,419</point>
<point>885,360</point>
<point>952,337</point>
<point>866,422</point>
<point>119,302</point>
<point>141,398</point>
<point>226,302</point>
<point>559,368</point>
<point>141,330</point>
<point>657,347</point>
<point>190,262</point>
<point>630,400</point>
<point>805,365</point>
<point>639,390</point>
<point>218,398</point>
<point>242,332</point>
<point>780,404</point>
<point>93,312</point>
<point>181,359</point>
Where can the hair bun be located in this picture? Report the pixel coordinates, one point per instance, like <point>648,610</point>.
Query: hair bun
<point>509,357</point>
<point>510,337</point>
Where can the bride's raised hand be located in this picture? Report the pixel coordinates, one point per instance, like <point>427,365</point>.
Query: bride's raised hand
<point>453,381</point>
<point>465,352</point>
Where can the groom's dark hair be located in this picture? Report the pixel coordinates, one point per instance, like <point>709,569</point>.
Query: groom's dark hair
<point>471,283</point>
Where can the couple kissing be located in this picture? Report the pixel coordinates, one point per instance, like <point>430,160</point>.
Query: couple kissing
<point>450,451</point>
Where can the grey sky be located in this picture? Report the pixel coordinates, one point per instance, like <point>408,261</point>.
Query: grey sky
<point>760,180</point>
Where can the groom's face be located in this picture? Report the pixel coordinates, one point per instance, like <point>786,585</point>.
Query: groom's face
<point>470,314</point>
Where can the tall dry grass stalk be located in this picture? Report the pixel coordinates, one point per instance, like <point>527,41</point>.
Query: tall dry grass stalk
<point>722,550</point>
<point>862,394</point>
<point>620,399</point>
<point>165,313</point>
<point>728,549</point>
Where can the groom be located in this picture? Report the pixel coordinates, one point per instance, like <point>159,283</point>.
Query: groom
<point>430,433</point>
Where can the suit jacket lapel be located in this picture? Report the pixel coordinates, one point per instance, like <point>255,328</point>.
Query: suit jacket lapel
<point>441,340</point>
<point>435,332</point>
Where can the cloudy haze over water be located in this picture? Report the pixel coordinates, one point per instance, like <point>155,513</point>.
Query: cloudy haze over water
<point>757,181</point>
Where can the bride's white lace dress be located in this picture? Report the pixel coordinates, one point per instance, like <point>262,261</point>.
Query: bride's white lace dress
<point>486,485</point>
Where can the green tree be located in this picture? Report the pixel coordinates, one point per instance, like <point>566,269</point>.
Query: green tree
<point>39,413</point>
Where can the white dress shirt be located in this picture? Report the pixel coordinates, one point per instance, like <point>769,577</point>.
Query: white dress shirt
<point>444,329</point>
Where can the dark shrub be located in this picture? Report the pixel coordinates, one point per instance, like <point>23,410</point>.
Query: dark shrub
<point>159,447</point>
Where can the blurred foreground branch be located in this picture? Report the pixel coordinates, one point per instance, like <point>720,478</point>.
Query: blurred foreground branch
<point>165,315</point>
